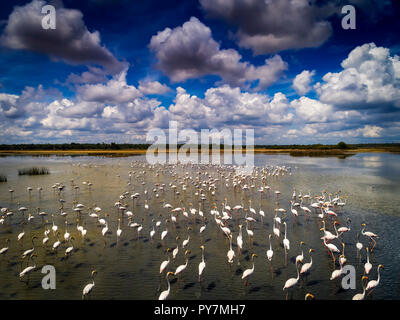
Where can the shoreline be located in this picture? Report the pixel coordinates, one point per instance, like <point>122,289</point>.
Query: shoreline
<point>127,152</point>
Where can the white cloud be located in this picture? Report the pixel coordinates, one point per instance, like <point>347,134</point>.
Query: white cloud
<point>301,82</point>
<point>370,79</point>
<point>311,110</point>
<point>190,51</point>
<point>371,131</point>
<point>153,87</point>
<point>115,90</point>
<point>227,106</point>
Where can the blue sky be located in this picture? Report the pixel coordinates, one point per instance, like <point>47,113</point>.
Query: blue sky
<point>113,70</point>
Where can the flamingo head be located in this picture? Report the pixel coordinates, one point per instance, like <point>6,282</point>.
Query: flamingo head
<point>309,295</point>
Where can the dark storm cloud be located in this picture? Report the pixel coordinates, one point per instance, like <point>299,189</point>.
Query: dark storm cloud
<point>268,26</point>
<point>272,26</point>
<point>71,41</point>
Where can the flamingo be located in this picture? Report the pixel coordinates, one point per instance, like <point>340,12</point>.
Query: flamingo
<point>182,267</point>
<point>367,265</point>
<point>307,266</point>
<point>66,234</point>
<point>119,231</point>
<point>164,295</point>
<point>71,248</point>
<point>4,249</point>
<point>202,264</point>
<point>369,234</point>
<point>89,287</point>
<point>248,272</point>
<point>29,251</point>
<point>286,242</point>
<point>28,269</point>
<point>360,296</point>
<point>231,253</point>
<point>332,248</point>
<point>165,263</point>
<point>374,283</point>
<point>239,239</point>
<point>270,253</point>
<point>290,283</point>
<point>337,273</point>
<point>300,257</point>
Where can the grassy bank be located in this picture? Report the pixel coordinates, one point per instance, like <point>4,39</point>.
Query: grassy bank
<point>75,149</point>
<point>293,152</point>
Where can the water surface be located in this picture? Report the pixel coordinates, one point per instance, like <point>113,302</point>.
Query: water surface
<point>129,269</point>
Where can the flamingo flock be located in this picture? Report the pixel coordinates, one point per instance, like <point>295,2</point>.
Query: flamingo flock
<point>183,210</point>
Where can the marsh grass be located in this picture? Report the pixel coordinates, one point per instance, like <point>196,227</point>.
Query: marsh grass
<point>33,171</point>
<point>319,153</point>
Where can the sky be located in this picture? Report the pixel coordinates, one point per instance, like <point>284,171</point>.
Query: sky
<point>111,71</point>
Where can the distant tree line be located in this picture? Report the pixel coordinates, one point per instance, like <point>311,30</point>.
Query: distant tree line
<point>143,146</point>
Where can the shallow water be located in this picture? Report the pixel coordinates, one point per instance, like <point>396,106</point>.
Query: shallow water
<point>129,269</point>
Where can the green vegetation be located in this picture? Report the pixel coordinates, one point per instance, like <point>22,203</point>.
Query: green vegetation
<point>127,146</point>
<point>33,171</point>
<point>73,146</point>
<point>342,145</point>
<point>3,178</point>
<point>320,153</point>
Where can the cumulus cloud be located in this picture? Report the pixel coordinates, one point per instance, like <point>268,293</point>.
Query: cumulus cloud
<point>56,118</point>
<point>153,87</point>
<point>31,101</point>
<point>70,42</point>
<point>311,110</point>
<point>94,75</point>
<point>271,26</point>
<point>301,82</point>
<point>119,111</point>
<point>116,90</point>
<point>227,106</point>
<point>371,131</point>
<point>370,79</point>
<point>190,51</point>
<point>7,104</point>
